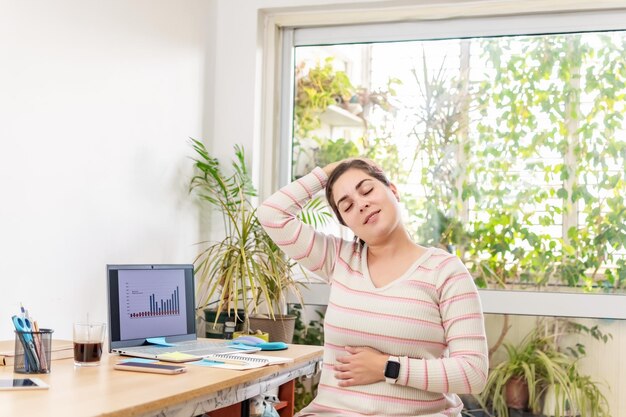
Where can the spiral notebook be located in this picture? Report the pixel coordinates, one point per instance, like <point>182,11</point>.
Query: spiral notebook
<point>245,361</point>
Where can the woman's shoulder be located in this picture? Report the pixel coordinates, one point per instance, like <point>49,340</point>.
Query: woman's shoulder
<point>438,258</point>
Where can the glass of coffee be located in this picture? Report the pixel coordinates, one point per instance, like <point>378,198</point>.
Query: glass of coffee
<point>88,340</point>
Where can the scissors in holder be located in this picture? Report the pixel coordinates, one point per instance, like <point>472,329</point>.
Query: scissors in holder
<point>25,332</point>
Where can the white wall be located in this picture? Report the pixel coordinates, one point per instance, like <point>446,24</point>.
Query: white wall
<point>97,101</point>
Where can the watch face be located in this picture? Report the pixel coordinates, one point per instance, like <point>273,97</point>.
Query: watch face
<point>392,370</point>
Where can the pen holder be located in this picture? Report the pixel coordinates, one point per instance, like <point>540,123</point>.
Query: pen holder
<point>32,352</point>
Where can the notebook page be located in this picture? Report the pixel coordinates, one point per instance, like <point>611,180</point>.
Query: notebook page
<point>227,361</point>
<point>268,360</point>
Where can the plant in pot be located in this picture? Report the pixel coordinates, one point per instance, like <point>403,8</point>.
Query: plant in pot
<point>536,369</point>
<point>582,396</point>
<point>518,381</point>
<point>245,270</point>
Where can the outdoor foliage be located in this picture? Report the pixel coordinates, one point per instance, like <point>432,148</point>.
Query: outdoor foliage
<point>321,86</point>
<point>558,140</point>
<point>519,155</point>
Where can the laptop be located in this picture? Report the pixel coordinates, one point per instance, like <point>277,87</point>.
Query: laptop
<point>152,306</point>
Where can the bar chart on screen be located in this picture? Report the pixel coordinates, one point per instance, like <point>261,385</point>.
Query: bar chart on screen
<point>155,302</point>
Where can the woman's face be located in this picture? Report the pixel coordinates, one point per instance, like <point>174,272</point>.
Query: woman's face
<point>367,206</point>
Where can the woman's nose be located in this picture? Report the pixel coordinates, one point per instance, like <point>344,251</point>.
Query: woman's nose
<point>363,206</point>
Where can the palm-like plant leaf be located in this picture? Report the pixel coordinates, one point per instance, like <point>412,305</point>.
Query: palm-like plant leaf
<point>245,268</point>
<point>316,213</point>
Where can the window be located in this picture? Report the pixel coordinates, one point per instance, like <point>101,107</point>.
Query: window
<point>506,136</point>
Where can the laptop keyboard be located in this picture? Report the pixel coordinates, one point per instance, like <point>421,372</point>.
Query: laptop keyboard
<point>194,348</point>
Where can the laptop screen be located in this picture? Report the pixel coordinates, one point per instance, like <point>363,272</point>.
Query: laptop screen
<point>150,301</point>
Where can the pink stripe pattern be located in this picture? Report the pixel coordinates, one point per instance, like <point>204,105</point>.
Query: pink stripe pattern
<point>293,240</point>
<point>458,297</point>
<point>376,336</point>
<point>348,267</point>
<point>308,250</point>
<point>365,313</point>
<point>292,198</point>
<point>453,320</point>
<point>386,297</point>
<point>323,260</point>
<point>306,189</point>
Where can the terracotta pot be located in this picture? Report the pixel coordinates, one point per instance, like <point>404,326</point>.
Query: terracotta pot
<point>516,393</point>
<point>280,330</point>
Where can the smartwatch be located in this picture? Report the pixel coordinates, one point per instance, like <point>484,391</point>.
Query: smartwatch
<point>392,369</point>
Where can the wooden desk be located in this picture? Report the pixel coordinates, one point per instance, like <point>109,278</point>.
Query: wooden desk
<point>103,391</point>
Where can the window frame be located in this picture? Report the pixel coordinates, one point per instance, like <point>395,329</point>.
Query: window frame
<point>285,33</point>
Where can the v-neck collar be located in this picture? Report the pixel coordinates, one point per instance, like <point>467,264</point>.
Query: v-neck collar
<point>404,276</point>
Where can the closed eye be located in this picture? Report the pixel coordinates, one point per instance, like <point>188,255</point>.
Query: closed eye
<point>347,208</point>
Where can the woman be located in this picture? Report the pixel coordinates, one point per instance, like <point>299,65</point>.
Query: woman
<point>404,329</point>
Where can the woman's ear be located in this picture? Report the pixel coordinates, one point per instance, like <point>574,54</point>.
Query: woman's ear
<point>394,190</point>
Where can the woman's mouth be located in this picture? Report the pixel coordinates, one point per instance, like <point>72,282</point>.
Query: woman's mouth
<point>371,216</point>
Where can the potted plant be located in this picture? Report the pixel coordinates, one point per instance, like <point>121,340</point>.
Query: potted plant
<point>585,397</point>
<point>517,382</point>
<point>536,372</point>
<point>245,270</point>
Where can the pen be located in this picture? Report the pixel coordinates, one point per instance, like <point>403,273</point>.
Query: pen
<point>43,364</point>
<point>227,361</point>
<point>35,340</point>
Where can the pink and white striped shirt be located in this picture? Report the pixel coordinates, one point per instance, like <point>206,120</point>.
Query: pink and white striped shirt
<point>430,317</point>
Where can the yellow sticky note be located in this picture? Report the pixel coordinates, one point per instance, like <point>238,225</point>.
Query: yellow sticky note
<point>178,357</point>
